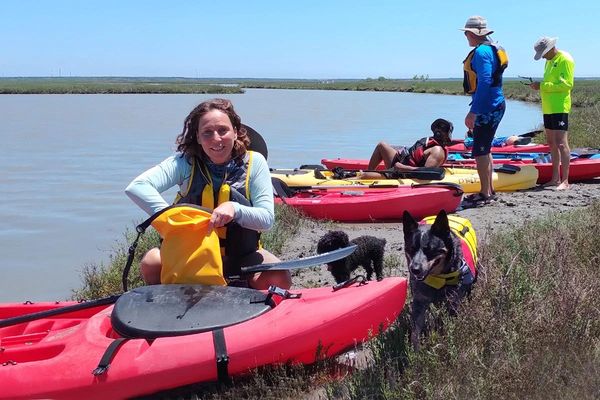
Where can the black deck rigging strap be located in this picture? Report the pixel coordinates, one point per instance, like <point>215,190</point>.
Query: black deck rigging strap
<point>140,229</point>
<point>221,356</point>
<point>110,352</point>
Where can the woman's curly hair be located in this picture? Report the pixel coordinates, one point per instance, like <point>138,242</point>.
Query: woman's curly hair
<point>187,142</point>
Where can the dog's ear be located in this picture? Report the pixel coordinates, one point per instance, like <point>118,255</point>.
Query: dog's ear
<point>409,224</point>
<point>441,226</point>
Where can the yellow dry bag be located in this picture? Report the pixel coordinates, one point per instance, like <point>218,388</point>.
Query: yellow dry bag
<point>189,254</point>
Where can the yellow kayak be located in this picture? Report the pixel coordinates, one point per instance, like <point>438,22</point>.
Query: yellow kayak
<point>506,178</point>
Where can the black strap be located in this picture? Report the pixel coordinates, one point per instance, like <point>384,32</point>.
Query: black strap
<point>130,257</point>
<point>140,229</point>
<point>221,356</point>
<point>108,356</point>
<point>358,278</point>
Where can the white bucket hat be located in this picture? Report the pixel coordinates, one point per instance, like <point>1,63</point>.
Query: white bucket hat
<point>543,45</point>
<point>478,25</point>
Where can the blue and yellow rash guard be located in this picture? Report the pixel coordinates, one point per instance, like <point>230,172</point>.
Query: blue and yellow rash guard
<point>555,89</point>
<point>486,97</point>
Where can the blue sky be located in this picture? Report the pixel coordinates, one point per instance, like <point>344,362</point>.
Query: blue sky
<point>282,39</point>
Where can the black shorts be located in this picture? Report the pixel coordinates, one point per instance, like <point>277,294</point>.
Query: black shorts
<point>556,122</point>
<point>401,155</point>
<point>485,130</point>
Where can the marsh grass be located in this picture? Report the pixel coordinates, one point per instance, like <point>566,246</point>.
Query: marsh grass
<point>584,127</point>
<point>101,280</point>
<point>111,85</point>
<point>288,222</point>
<point>531,329</point>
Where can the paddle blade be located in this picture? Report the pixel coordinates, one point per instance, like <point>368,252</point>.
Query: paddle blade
<point>531,134</point>
<point>302,262</point>
<point>507,168</point>
<point>425,173</point>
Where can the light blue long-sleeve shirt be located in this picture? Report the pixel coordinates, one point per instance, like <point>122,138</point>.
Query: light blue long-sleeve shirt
<point>486,97</point>
<point>146,189</point>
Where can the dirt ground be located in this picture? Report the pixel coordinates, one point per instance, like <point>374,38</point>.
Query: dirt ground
<point>510,210</point>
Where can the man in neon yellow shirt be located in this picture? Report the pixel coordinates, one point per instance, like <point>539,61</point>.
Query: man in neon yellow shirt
<point>555,92</point>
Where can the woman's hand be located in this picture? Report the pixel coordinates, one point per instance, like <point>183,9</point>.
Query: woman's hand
<point>221,215</point>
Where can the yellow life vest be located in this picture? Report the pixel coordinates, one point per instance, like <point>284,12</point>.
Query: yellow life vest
<point>463,228</point>
<point>470,76</point>
<point>235,241</point>
<point>189,254</point>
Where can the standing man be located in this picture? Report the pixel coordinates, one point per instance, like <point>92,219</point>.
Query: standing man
<point>555,92</point>
<point>483,69</point>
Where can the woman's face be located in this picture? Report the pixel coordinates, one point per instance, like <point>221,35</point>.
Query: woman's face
<point>216,135</point>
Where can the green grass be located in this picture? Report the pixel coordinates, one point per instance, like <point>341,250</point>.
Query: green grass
<point>110,85</point>
<point>531,329</point>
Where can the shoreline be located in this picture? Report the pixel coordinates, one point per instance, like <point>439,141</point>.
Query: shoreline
<point>511,210</point>
<point>513,89</point>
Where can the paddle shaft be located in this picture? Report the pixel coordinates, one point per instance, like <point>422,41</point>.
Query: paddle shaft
<point>423,173</point>
<point>58,311</point>
<point>349,187</point>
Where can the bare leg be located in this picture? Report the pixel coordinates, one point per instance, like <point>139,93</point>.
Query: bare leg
<point>484,170</point>
<point>556,158</point>
<point>383,152</point>
<point>562,145</point>
<point>150,267</point>
<point>491,175</point>
<point>262,280</point>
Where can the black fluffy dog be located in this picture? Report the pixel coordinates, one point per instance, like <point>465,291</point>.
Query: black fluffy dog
<point>369,254</point>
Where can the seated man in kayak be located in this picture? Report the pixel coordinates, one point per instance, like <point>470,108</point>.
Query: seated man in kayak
<point>426,152</point>
<point>214,169</point>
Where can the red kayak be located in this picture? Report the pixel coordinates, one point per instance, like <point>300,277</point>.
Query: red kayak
<point>526,148</point>
<point>59,357</point>
<point>581,169</point>
<point>370,204</point>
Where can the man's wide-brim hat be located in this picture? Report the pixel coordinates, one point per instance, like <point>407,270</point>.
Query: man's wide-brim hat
<point>477,25</point>
<point>543,45</point>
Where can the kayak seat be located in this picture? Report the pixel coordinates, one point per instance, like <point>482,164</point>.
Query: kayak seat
<point>281,189</point>
<point>156,311</point>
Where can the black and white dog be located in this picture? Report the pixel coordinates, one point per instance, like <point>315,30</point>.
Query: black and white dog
<point>439,270</point>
